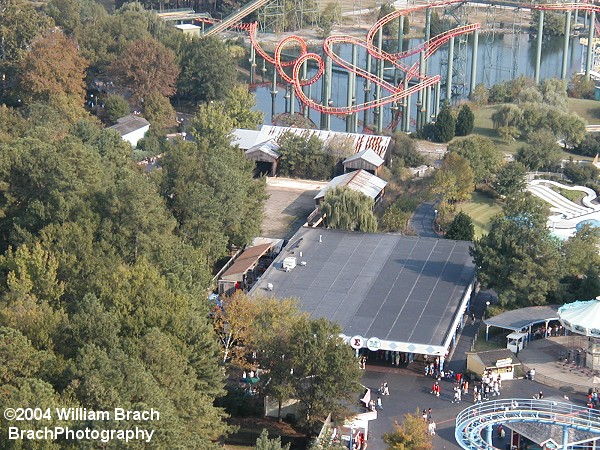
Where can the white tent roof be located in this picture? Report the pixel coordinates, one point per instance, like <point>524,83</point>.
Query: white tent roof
<point>581,317</point>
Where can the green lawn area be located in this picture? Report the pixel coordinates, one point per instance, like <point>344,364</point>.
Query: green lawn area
<point>481,209</point>
<point>484,125</point>
<point>588,109</point>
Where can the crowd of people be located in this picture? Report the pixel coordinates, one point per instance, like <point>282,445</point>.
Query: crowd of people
<point>489,386</point>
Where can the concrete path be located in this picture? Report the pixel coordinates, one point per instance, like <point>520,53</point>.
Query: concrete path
<point>422,220</point>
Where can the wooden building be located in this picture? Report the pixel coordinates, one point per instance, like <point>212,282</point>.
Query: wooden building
<point>366,160</point>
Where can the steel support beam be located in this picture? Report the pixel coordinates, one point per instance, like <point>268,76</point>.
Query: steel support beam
<point>474,57</point>
<point>590,49</point>
<point>538,51</point>
<point>380,67</point>
<point>450,69</point>
<point>565,55</point>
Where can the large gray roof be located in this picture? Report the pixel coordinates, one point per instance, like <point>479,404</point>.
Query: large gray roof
<point>519,319</point>
<point>405,290</point>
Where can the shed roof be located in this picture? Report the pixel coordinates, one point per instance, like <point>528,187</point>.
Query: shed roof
<point>519,319</point>
<point>268,148</point>
<point>407,290</point>
<point>245,139</point>
<point>489,357</point>
<point>245,261</point>
<point>359,180</point>
<point>368,156</point>
<point>129,123</point>
<point>359,142</point>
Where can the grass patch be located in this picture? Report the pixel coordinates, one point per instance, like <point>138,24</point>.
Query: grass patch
<point>574,196</point>
<point>588,109</point>
<point>496,339</point>
<point>485,127</point>
<point>481,209</point>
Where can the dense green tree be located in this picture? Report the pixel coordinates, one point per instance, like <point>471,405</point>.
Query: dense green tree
<point>541,152</point>
<point>264,443</point>
<point>324,379</point>
<point>302,156</point>
<point>461,228</point>
<point>20,24</point>
<point>589,145</point>
<point>65,14</point>
<point>481,154</point>
<point>411,434</point>
<point>116,107</point>
<point>581,251</point>
<point>581,173</point>
<point>207,70</point>
<point>454,180</point>
<point>445,124</point>
<point>159,112</point>
<point>346,209</point>
<point>465,121</point>
<point>518,257</point>
<point>405,151</point>
<point>510,179</point>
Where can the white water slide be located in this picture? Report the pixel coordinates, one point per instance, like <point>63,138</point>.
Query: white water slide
<point>561,204</point>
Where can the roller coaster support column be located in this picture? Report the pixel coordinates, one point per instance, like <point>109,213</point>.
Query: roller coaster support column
<point>538,52</point>
<point>450,69</point>
<point>326,93</point>
<point>380,66</point>
<point>576,17</point>
<point>252,63</point>
<point>406,110</point>
<point>488,436</point>
<point>304,69</point>
<point>427,24</point>
<point>273,91</point>
<point>292,100</point>
<point>474,60</point>
<point>367,91</point>
<point>436,109</point>
<point>420,93</point>
<point>590,49</point>
<point>399,47</point>
<point>428,92</point>
<point>565,56</point>
<point>350,97</point>
<point>565,437</point>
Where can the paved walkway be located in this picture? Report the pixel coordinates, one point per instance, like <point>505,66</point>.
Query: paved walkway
<point>422,220</point>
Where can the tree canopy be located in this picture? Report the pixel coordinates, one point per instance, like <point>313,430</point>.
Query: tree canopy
<point>482,155</point>
<point>347,209</point>
<point>519,258</point>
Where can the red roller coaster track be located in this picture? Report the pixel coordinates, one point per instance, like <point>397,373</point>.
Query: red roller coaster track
<point>417,81</point>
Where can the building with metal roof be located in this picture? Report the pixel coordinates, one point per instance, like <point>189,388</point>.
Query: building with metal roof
<point>266,155</point>
<point>523,319</point>
<point>359,180</point>
<point>132,128</point>
<point>237,275</point>
<point>386,291</point>
<point>358,142</point>
<point>366,159</point>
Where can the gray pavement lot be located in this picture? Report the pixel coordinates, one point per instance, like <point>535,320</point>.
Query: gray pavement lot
<point>410,392</point>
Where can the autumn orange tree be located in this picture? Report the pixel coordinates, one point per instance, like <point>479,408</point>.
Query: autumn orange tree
<point>146,67</point>
<point>245,324</point>
<point>53,69</point>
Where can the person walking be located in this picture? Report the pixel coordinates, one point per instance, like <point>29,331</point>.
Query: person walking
<point>379,404</point>
<point>431,428</point>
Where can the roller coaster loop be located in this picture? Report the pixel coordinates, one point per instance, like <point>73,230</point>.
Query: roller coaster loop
<point>474,424</point>
<point>412,73</point>
<point>416,80</point>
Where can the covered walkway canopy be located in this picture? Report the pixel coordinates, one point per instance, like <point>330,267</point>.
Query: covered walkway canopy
<point>522,319</point>
<point>238,271</point>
